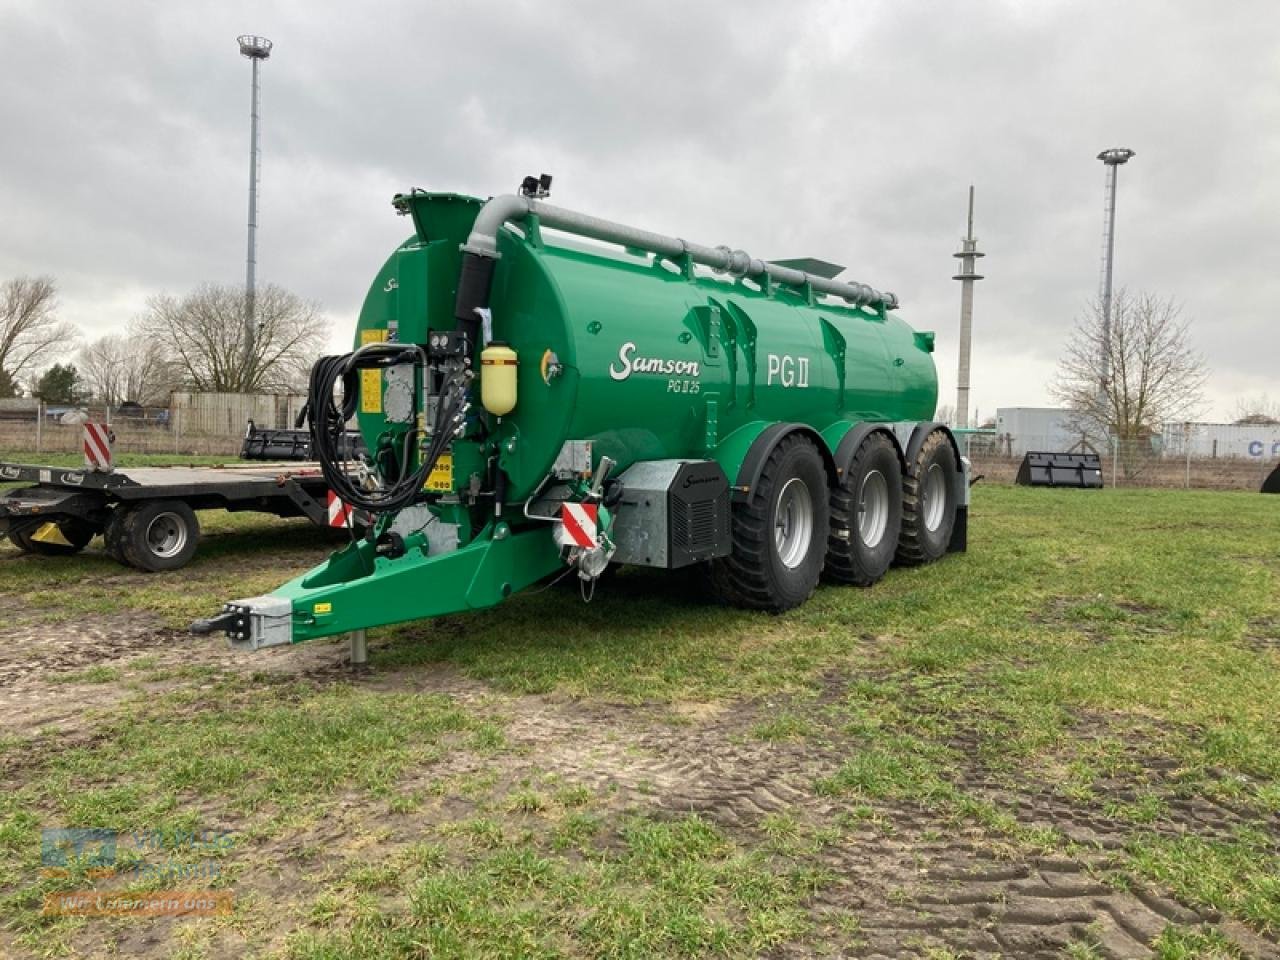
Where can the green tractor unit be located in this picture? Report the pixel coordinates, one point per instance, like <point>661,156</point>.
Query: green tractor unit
<point>544,393</point>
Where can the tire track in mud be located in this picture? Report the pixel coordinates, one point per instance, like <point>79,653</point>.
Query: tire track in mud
<point>913,880</point>
<point>39,660</point>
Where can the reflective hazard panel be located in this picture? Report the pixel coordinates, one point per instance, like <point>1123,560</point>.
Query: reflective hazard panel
<point>440,480</point>
<point>339,512</point>
<point>580,520</point>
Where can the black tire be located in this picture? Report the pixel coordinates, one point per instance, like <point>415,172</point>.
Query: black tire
<point>160,535</point>
<point>773,566</point>
<point>866,514</point>
<point>113,534</point>
<point>20,536</point>
<point>75,531</point>
<point>928,502</point>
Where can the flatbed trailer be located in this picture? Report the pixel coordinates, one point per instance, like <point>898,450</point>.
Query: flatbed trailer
<point>146,515</point>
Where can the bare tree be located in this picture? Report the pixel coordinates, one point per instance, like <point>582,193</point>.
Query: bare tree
<point>203,335</point>
<point>1257,410</point>
<point>117,368</point>
<point>1156,376</point>
<point>29,329</point>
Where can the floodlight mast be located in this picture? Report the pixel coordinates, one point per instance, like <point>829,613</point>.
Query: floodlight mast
<point>1113,158</point>
<point>256,49</point>
<point>967,254</point>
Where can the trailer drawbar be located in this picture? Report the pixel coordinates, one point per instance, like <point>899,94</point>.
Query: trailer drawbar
<point>532,406</point>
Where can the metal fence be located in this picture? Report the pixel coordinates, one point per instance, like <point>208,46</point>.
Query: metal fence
<point>192,424</point>
<point>226,413</point>
<point>1152,461</point>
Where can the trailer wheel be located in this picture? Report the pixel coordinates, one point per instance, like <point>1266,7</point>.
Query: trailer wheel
<point>18,537</point>
<point>75,531</point>
<point>113,534</point>
<point>928,502</point>
<point>780,534</point>
<point>160,535</point>
<point>866,514</point>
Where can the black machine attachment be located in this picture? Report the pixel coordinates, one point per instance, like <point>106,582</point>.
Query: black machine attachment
<point>1272,483</point>
<point>261,443</point>
<point>1060,470</point>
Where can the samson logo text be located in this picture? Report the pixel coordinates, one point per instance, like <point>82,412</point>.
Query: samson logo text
<point>628,364</point>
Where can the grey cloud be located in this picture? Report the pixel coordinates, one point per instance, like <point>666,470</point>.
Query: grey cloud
<point>847,131</point>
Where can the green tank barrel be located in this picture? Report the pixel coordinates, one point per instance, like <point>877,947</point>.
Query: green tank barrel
<point>643,355</point>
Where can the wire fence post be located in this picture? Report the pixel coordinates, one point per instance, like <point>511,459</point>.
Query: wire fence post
<point>39,425</point>
<point>1115,457</point>
<point>1186,441</point>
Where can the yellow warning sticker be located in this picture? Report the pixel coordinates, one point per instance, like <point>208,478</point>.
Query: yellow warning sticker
<point>370,391</point>
<point>322,608</point>
<point>440,480</point>
<point>371,380</point>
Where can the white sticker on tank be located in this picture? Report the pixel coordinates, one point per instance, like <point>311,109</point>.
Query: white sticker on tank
<point>787,370</point>
<point>628,364</point>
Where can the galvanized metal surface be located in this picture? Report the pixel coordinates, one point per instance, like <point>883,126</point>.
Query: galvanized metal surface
<point>1113,159</point>
<point>642,519</point>
<point>256,49</point>
<point>738,263</point>
<point>269,622</point>
<point>967,276</point>
<point>359,648</point>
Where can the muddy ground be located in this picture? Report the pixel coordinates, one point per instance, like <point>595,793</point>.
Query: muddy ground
<point>915,883</point>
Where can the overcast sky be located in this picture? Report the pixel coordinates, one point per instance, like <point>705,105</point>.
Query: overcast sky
<point>846,131</point>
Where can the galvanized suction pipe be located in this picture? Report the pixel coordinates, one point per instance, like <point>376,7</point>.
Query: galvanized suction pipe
<point>500,210</point>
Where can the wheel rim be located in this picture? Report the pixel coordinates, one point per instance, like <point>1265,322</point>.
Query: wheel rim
<point>166,535</point>
<point>873,508</point>
<point>793,523</point>
<point>935,497</point>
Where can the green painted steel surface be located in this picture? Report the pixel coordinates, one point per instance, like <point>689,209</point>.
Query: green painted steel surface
<point>657,361</point>
<point>353,589</point>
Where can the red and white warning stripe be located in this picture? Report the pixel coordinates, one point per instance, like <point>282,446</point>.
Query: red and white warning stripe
<point>97,447</point>
<point>340,514</point>
<point>580,523</point>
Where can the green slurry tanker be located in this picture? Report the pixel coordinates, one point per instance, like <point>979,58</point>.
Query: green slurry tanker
<point>543,392</point>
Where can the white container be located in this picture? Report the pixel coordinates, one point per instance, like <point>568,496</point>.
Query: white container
<point>1042,429</point>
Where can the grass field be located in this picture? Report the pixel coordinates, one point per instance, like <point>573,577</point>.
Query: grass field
<point>120,459</point>
<point>1065,742</point>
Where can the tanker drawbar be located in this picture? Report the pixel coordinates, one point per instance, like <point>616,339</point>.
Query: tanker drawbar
<point>533,408</point>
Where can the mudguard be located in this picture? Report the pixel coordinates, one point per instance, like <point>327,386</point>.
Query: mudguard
<point>760,440</point>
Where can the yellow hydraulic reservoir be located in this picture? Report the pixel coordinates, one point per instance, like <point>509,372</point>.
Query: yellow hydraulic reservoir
<point>498,363</point>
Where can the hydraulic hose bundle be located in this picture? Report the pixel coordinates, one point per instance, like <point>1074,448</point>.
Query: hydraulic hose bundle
<point>329,420</point>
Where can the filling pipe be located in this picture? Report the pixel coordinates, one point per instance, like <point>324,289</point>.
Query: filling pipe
<point>481,251</point>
